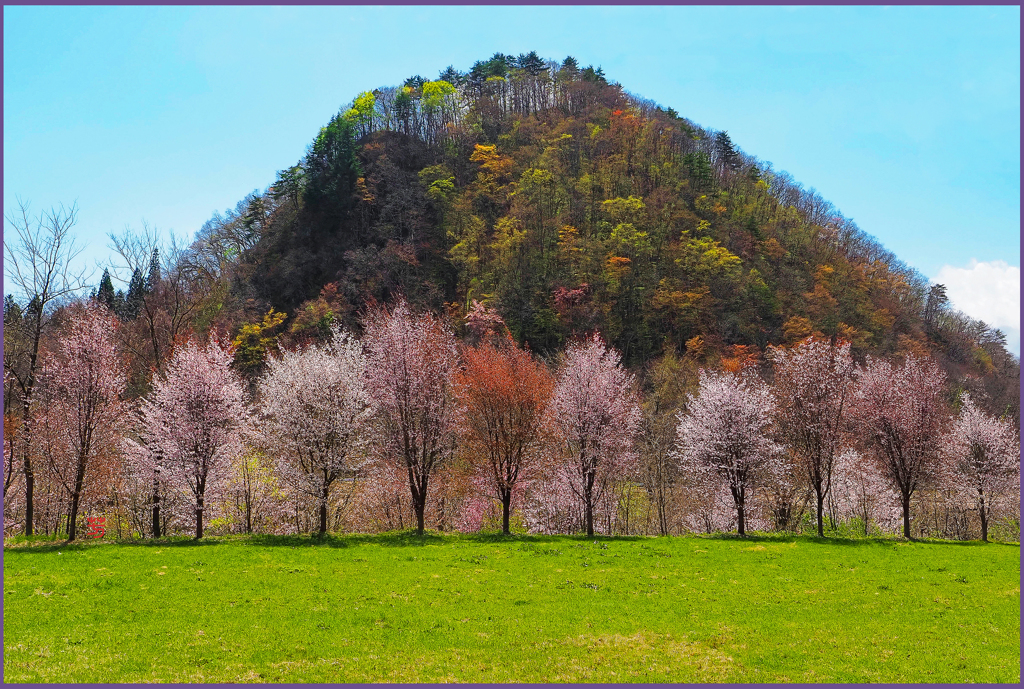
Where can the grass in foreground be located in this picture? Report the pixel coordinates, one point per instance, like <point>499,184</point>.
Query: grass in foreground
<point>480,608</point>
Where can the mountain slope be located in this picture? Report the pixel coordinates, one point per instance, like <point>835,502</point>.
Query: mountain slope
<point>568,205</point>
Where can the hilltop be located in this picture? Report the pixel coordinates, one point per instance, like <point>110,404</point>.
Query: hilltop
<point>553,195</point>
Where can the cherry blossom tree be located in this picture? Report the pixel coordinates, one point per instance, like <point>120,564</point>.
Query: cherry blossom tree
<point>411,362</point>
<point>595,414</point>
<point>900,414</point>
<point>193,420</point>
<point>153,500</point>
<point>812,385</point>
<point>314,409</point>
<point>81,388</point>
<point>484,323</point>
<point>860,491</point>
<point>503,392</point>
<point>726,429</point>
<point>984,454</point>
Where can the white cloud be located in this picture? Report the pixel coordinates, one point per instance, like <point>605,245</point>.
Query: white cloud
<point>988,291</point>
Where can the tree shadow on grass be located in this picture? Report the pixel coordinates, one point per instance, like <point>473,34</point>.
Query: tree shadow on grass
<point>841,540</point>
<point>409,538</point>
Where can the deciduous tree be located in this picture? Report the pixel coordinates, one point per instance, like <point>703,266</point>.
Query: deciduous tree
<point>39,261</point>
<point>411,361</point>
<point>503,392</point>
<point>194,418</point>
<point>595,415</point>
<point>900,414</point>
<point>811,386</point>
<point>984,454</point>
<point>314,410</point>
<point>81,386</point>
<point>727,429</point>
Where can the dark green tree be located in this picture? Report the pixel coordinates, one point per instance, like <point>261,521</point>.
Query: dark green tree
<point>728,157</point>
<point>531,63</point>
<point>452,76</point>
<point>105,293</point>
<point>12,312</point>
<point>153,279</point>
<point>332,169</point>
<point>136,294</point>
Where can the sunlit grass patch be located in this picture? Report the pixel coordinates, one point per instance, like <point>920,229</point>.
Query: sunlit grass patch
<point>402,608</point>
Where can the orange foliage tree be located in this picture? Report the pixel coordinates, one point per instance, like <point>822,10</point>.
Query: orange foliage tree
<point>503,391</point>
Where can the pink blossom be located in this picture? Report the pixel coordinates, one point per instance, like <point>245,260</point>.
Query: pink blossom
<point>314,412</point>
<point>900,414</point>
<point>984,459</point>
<point>725,432</point>
<point>411,361</point>
<point>595,415</point>
<point>81,388</point>
<point>192,422</point>
<point>812,384</point>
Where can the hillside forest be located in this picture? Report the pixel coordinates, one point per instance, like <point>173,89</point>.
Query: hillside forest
<point>517,297</point>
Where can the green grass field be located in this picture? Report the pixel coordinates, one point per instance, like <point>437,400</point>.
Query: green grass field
<point>480,608</point>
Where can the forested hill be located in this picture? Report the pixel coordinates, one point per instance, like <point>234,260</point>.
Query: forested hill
<point>555,196</point>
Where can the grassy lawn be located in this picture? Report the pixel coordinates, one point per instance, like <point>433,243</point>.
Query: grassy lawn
<point>481,608</point>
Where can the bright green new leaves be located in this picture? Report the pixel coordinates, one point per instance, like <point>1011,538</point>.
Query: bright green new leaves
<point>434,93</point>
<point>703,258</point>
<point>361,112</point>
<point>629,210</point>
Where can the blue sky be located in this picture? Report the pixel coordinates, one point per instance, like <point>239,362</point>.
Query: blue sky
<point>906,118</point>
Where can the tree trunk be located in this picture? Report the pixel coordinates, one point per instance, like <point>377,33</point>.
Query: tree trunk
<point>199,517</point>
<point>156,508</point>
<point>30,482</point>
<point>906,516</point>
<point>323,515</point>
<point>419,506</point>
<point>740,518</point>
<point>73,517</point>
<point>821,504</point>
<point>588,496</point>
<point>26,426</point>
<point>984,517</point>
<point>506,508</point>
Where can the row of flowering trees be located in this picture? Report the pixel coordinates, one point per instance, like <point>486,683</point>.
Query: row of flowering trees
<point>824,419</point>
<point>410,423</point>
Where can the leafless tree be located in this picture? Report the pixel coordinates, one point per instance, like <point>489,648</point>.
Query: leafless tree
<point>41,263</point>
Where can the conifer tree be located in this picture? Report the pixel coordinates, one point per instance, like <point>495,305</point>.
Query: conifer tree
<point>105,293</point>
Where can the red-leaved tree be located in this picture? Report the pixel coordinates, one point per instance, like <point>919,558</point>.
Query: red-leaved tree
<point>410,364</point>
<point>81,388</point>
<point>594,414</point>
<point>314,412</point>
<point>193,420</point>
<point>900,414</point>
<point>984,454</point>
<point>726,431</point>
<point>812,385</point>
<point>503,392</point>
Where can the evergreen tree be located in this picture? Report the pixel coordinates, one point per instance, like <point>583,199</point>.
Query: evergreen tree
<point>105,294</point>
<point>332,168</point>
<point>118,305</point>
<point>153,279</point>
<point>727,154</point>
<point>531,63</point>
<point>452,76</point>
<point>415,82</point>
<point>136,293</point>
<point>12,312</point>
